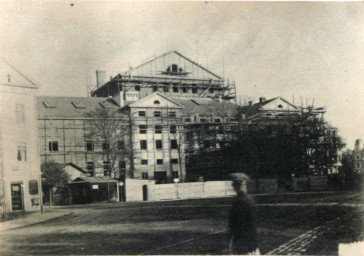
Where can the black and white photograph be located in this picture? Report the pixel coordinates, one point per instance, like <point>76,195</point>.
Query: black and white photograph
<point>181,128</point>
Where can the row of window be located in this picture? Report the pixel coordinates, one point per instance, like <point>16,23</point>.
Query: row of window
<point>175,89</point>
<point>159,161</point>
<point>157,129</point>
<point>90,146</point>
<point>33,187</point>
<point>158,144</point>
<point>160,176</point>
<point>157,113</point>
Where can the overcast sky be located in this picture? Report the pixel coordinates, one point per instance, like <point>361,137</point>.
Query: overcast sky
<point>307,51</point>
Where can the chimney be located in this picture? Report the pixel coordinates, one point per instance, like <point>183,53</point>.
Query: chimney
<point>250,103</point>
<point>100,78</point>
<point>357,145</point>
<point>262,99</point>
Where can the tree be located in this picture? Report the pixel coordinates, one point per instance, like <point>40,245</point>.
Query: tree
<point>54,177</point>
<point>298,144</point>
<point>109,129</point>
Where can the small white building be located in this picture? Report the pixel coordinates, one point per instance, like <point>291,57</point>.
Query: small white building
<point>20,175</point>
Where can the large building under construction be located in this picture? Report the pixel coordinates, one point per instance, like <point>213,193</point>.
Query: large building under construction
<point>172,74</point>
<point>175,108</point>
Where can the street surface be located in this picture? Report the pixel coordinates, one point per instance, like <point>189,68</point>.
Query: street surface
<point>304,223</point>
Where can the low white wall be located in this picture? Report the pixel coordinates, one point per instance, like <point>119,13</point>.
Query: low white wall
<point>134,189</point>
<point>156,192</point>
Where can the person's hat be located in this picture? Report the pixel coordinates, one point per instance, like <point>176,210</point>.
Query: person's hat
<point>239,177</point>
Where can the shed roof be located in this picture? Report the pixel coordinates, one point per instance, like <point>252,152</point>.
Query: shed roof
<point>93,180</point>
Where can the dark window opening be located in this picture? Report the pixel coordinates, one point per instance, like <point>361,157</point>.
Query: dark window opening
<point>143,129</point>
<point>173,129</point>
<point>144,162</point>
<point>194,90</point>
<point>175,89</point>
<point>121,145</point>
<point>174,160</point>
<point>141,113</point>
<point>105,146</point>
<point>33,187</point>
<point>184,90</point>
<point>107,171</point>
<point>89,146</point>
<point>174,144</point>
<point>166,89</point>
<point>172,114</point>
<point>158,129</point>
<point>122,165</point>
<point>53,146</point>
<point>155,88</point>
<point>175,174</point>
<point>158,144</point>
<point>143,144</point>
<point>157,113</point>
<point>159,161</point>
<point>137,87</point>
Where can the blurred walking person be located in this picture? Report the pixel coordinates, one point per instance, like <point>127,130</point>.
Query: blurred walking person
<point>242,231</point>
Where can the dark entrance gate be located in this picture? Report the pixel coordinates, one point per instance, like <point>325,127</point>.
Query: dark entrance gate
<point>145,193</point>
<point>16,197</point>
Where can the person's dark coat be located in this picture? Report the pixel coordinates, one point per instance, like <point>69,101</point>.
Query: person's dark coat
<point>242,225</point>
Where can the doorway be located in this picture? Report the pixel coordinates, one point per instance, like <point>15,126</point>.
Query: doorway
<point>17,197</point>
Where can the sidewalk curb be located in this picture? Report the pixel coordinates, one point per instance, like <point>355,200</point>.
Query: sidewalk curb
<point>31,220</point>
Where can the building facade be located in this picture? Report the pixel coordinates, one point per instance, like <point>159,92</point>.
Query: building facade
<point>20,175</point>
<point>68,134</point>
<point>358,154</point>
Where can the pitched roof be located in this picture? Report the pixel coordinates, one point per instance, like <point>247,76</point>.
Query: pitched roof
<point>206,107</point>
<point>11,76</point>
<point>72,107</point>
<point>173,55</point>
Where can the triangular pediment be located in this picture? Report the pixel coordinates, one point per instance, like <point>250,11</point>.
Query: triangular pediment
<point>10,75</point>
<point>172,64</point>
<point>278,104</point>
<point>155,100</point>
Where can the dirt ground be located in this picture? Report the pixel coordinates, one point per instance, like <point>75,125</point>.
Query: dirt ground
<point>184,227</point>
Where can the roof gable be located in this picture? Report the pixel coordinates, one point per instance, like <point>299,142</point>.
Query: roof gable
<point>277,104</point>
<point>10,75</point>
<point>172,64</point>
<point>155,100</point>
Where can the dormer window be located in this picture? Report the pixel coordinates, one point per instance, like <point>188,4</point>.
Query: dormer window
<point>156,102</point>
<point>280,106</point>
<point>77,104</point>
<point>174,69</point>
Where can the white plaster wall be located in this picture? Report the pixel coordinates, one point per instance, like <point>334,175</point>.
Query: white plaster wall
<point>13,133</point>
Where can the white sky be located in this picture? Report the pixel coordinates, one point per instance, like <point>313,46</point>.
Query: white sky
<point>312,50</point>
